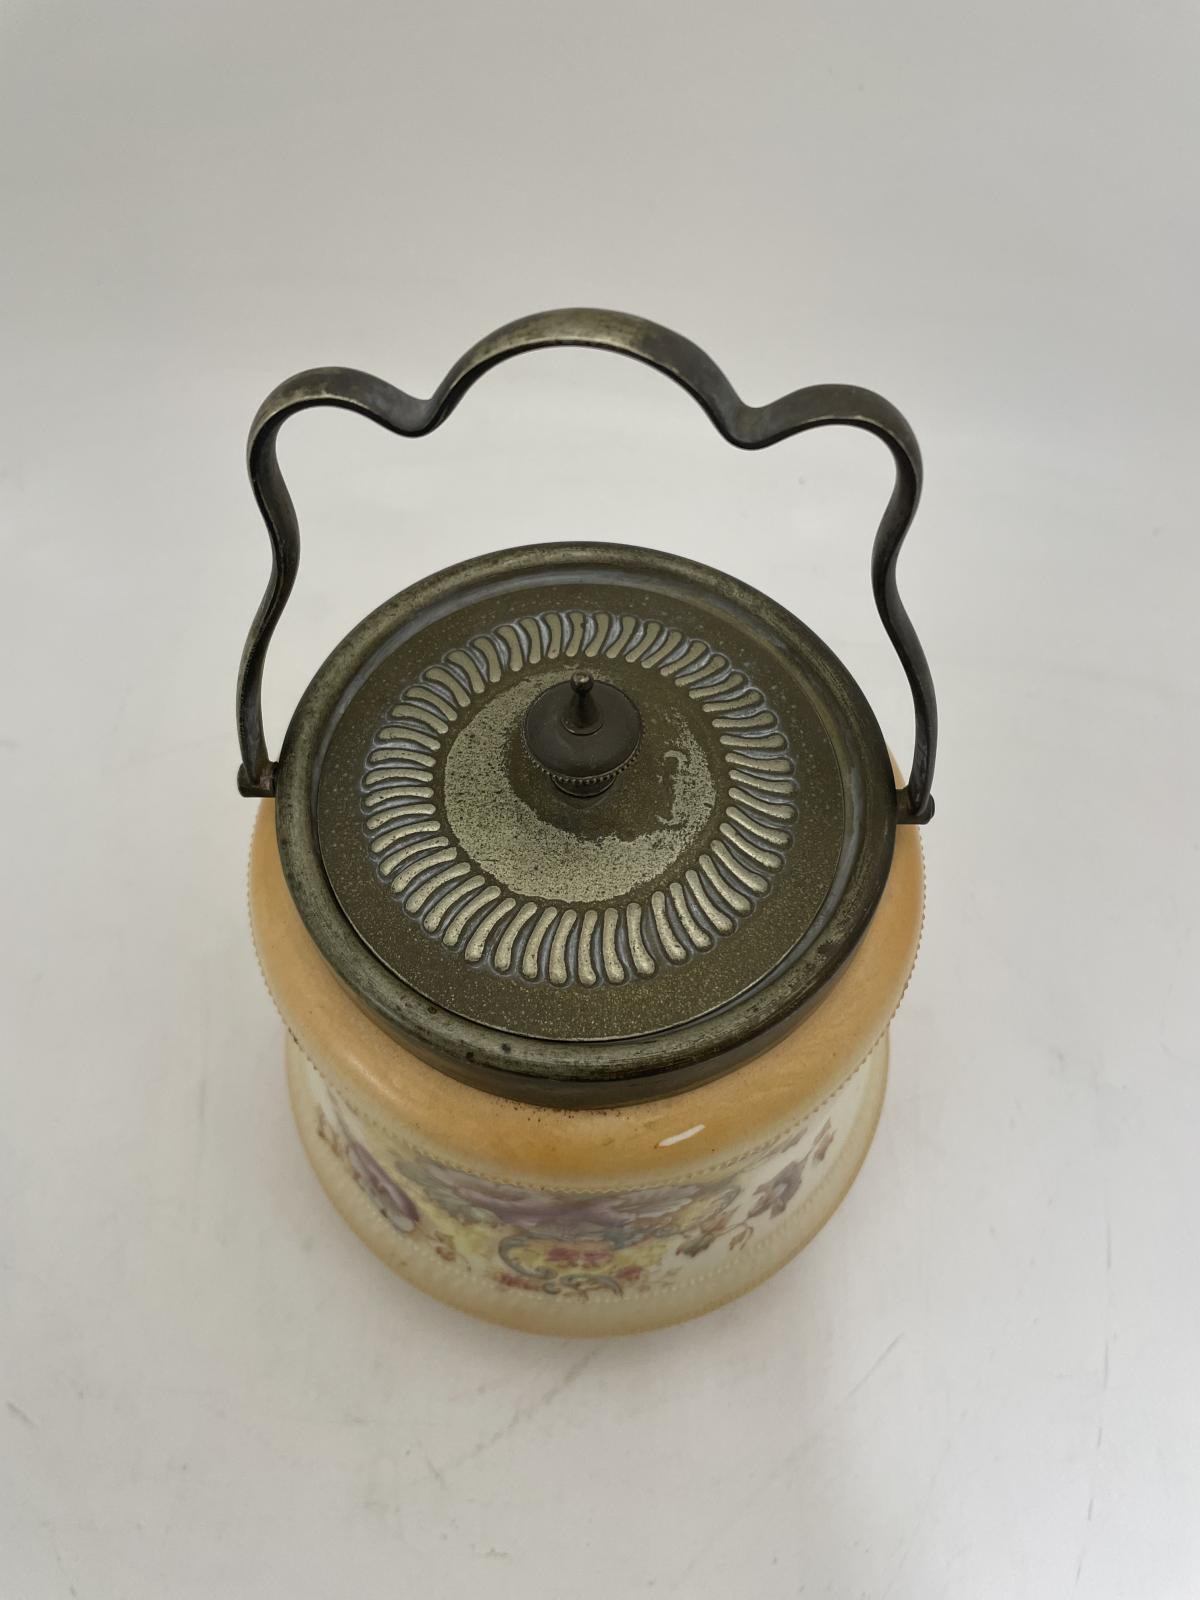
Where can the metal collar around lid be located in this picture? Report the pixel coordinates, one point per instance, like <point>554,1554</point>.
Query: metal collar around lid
<point>584,824</point>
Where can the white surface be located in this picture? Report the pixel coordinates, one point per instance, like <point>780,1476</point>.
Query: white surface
<point>980,1381</point>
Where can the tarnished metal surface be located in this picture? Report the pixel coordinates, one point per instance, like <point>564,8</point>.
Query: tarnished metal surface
<point>582,732</point>
<point>739,810</point>
<point>748,427</point>
<point>599,951</point>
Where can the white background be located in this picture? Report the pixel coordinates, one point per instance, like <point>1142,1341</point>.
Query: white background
<point>981,1379</point>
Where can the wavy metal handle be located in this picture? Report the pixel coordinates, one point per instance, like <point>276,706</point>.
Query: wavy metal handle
<point>748,427</point>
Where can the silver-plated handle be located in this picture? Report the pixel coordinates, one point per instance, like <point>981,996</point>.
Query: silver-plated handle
<point>748,427</point>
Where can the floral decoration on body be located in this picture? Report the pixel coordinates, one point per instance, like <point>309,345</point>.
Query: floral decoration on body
<point>778,1192</point>
<point>372,1178</point>
<point>561,1243</point>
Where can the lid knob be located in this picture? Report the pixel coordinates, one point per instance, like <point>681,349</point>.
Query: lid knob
<point>582,734</point>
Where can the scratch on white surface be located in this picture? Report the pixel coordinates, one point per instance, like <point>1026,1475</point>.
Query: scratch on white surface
<point>784,1465</point>
<point>21,1416</point>
<point>733,1519</point>
<point>531,1408</point>
<point>476,1391</point>
<point>435,1472</point>
<point>380,1496</point>
<point>71,1589</point>
<point>870,1372</point>
<point>918,1521</point>
<point>1099,1445</point>
<point>1091,1506</point>
<point>201,1098</point>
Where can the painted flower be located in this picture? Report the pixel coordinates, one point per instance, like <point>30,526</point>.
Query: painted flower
<point>779,1190</point>
<point>705,1234</point>
<point>824,1140</point>
<point>592,1257</point>
<point>513,1280</point>
<point>386,1193</point>
<point>567,1217</point>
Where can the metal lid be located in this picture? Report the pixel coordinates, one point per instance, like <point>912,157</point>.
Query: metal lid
<point>580,824</point>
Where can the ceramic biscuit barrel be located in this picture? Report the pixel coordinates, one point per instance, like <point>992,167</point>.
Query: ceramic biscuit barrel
<point>585,892</point>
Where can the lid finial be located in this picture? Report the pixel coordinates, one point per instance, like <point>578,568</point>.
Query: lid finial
<point>582,714</point>
<point>583,734</point>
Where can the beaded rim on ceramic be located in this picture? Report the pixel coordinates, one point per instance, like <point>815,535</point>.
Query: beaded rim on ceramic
<point>501,988</point>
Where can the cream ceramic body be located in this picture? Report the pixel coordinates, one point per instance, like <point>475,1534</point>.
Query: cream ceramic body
<point>585,1222</point>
